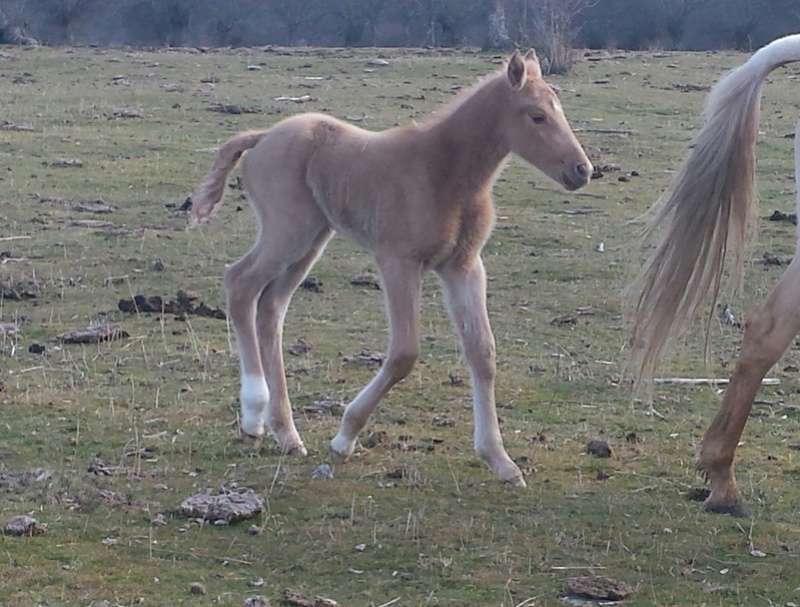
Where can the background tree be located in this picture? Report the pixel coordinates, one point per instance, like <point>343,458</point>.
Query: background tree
<point>299,17</point>
<point>498,32</point>
<point>676,15</point>
<point>12,29</point>
<point>354,21</point>
<point>552,27</point>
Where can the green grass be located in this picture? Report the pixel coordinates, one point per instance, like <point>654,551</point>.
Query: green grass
<point>436,528</point>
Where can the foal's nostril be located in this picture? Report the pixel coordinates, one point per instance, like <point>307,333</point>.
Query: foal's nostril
<point>582,170</point>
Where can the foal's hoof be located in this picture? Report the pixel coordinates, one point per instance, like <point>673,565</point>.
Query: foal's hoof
<point>733,507</point>
<point>341,449</point>
<point>294,449</point>
<point>251,430</point>
<point>339,458</point>
<point>517,481</point>
<point>255,439</point>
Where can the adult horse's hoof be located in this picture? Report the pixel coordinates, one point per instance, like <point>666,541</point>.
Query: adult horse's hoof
<point>734,507</point>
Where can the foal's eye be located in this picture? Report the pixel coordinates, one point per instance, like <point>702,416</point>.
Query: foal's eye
<point>538,119</point>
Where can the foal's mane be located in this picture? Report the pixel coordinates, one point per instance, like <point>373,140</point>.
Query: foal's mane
<point>443,112</point>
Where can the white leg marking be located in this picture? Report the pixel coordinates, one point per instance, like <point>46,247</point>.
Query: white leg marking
<point>254,397</point>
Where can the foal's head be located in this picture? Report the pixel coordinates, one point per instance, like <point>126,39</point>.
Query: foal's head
<point>536,128</point>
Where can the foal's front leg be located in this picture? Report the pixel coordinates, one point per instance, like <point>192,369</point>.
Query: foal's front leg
<point>402,284</point>
<point>465,297</point>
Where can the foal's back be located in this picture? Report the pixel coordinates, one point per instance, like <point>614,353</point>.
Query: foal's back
<point>373,187</point>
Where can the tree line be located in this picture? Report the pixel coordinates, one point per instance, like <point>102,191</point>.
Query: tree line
<point>545,24</point>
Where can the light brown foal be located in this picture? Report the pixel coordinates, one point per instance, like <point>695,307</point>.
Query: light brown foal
<point>707,212</point>
<point>418,198</point>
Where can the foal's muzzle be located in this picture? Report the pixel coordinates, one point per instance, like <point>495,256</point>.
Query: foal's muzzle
<point>578,176</point>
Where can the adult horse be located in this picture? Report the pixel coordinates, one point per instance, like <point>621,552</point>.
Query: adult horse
<point>418,198</point>
<point>707,211</point>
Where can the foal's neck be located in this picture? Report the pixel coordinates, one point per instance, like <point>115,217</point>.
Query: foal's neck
<point>467,143</point>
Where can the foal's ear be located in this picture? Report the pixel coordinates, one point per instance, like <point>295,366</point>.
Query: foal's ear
<point>534,68</point>
<point>517,71</point>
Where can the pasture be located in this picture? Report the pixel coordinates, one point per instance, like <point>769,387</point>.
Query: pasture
<point>102,442</point>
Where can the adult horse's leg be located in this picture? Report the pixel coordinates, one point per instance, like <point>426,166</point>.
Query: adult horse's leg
<point>272,306</point>
<point>465,297</point>
<point>402,284</point>
<point>769,331</point>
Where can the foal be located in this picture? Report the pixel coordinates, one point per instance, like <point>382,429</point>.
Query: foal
<point>707,211</point>
<point>418,198</point>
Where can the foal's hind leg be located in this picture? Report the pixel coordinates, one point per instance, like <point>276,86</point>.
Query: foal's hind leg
<point>402,283</point>
<point>465,296</point>
<point>287,240</point>
<point>769,331</point>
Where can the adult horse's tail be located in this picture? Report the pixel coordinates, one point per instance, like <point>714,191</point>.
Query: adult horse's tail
<point>209,195</point>
<point>707,211</point>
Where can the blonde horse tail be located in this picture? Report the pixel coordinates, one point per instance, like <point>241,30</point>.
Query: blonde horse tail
<point>707,212</point>
<point>797,172</point>
<point>209,196</point>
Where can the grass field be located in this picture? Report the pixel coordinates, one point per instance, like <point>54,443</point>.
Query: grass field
<point>97,441</point>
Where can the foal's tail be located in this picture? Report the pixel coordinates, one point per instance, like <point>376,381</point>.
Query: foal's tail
<point>209,196</point>
<point>707,211</point>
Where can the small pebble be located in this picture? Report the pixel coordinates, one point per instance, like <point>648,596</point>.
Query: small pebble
<point>322,472</point>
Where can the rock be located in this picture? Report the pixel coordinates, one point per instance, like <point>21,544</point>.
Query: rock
<point>294,598</point>
<point>367,279</point>
<point>223,508</point>
<point>93,334</point>
<point>94,206</point>
<point>322,472</point>
<point>571,318</point>
<point>325,404</point>
<point>598,588</point>
<point>24,525</point>
<point>371,360</point>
